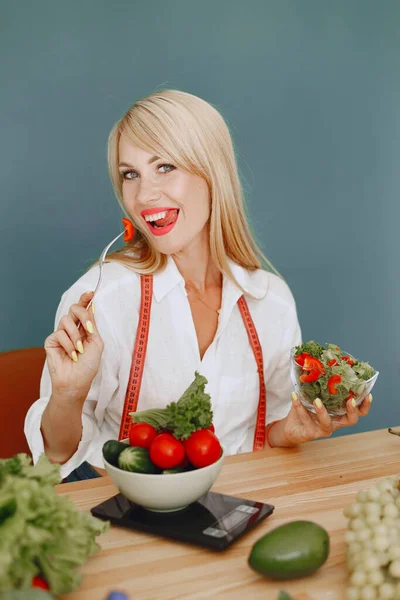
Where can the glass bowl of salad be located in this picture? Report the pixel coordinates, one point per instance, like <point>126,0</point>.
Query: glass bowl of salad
<point>330,374</point>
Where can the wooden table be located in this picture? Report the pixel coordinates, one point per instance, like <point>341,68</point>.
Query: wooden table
<point>312,482</point>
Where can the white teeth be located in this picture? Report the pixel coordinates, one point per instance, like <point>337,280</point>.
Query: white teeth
<point>156,216</point>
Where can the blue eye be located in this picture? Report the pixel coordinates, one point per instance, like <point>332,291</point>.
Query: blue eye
<point>129,175</point>
<point>170,167</point>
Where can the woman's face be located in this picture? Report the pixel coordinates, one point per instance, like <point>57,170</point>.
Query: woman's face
<point>170,206</point>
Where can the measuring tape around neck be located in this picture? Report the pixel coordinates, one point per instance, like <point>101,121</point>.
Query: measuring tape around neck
<point>139,355</point>
<point>259,433</point>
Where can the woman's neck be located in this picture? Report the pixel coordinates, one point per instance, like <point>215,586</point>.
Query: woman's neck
<point>196,266</point>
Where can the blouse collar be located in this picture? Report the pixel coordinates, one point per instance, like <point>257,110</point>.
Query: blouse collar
<point>254,283</point>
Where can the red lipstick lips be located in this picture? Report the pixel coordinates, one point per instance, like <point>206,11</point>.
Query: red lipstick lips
<point>161,214</point>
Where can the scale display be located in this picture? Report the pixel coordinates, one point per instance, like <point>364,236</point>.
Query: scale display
<point>214,521</point>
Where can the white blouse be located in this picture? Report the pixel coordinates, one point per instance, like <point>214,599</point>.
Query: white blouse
<point>173,356</point>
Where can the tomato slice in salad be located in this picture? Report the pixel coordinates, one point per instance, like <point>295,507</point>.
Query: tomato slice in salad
<point>313,367</point>
<point>301,358</point>
<point>129,229</point>
<point>348,360</point>
<point>332,383</point>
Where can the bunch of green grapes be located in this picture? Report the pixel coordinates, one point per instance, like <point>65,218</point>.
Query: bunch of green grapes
<point>373,542</point>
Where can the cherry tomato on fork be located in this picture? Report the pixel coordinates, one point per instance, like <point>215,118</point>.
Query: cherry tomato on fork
<point>129,229</point>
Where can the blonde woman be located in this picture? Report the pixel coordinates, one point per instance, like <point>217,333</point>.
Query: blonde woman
<point>214,303</point>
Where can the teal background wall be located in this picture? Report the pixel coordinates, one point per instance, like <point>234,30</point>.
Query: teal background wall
<point>311,91</point>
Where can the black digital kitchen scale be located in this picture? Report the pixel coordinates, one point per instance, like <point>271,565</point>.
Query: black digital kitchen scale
<point>214,521</point>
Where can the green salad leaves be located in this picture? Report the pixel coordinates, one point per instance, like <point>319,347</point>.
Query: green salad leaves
<point>312,348</point>
<point>191,412</point>
<point>41,533</point>
<point>33,594</point>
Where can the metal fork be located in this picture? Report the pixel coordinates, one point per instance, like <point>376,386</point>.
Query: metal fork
<point>101,262</point>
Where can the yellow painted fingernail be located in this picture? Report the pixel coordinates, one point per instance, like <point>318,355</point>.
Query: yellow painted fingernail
<point>79,346</point>
<point>89,326</point>
<point>92,305</point>
<point>74,356</point>
<point>294,397</point>
<point>353,403</point>
<point>318,403</point>
<point>370,398</point>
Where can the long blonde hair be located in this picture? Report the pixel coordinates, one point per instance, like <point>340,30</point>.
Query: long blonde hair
<point>192,135</point>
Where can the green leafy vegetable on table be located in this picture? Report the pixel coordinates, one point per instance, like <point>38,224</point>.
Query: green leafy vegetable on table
<point>330,375</point>
<point>41,533</point>
<point>191,412</point>
<point>32,594</point>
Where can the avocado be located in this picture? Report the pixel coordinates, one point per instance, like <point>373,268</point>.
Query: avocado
<point>284,596</point>
<point>293,550</point>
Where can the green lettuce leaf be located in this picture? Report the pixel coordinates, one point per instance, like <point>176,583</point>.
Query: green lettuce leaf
<point>33,594</point>
<point>363,370</point>
<point>21,465</point>
<point>191,412</point>
<point>311,347</point>
<point>41,533</point>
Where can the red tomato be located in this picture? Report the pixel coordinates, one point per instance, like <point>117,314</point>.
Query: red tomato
<point>332,383</point>
<point>129,229</point>
<point>141,435</point>
<point>39,582</point>
<point>211,428</point>
<point>348,360</point>
<point>166,451</point>
<point>314,367</point>
<point>202,448</point>
<point>301,358</point>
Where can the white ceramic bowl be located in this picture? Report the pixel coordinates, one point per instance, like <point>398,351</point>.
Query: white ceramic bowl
<point>165,493</point>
